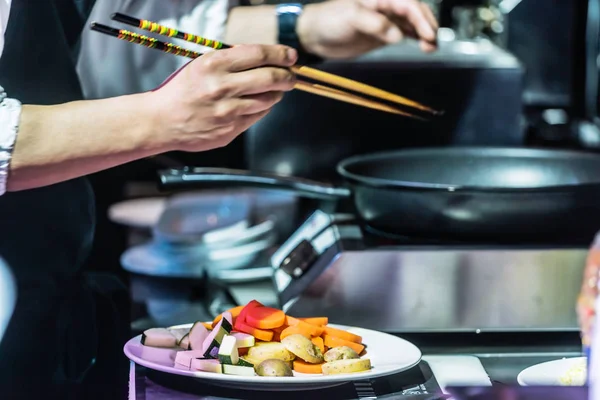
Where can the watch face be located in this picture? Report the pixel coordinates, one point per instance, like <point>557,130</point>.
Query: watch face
<point>289,8</point>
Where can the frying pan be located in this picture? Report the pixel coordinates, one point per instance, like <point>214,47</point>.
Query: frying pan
<point>499,195</point>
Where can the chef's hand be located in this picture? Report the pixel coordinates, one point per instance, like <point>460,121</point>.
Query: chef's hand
<point>214,98</point>
<point>349,28</point>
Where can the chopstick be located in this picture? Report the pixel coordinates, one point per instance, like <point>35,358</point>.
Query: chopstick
<point>300,70</point>
<point>303,86</point>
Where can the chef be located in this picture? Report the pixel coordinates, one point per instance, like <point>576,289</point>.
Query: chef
<point>337,29</point>
<point>50,139</point>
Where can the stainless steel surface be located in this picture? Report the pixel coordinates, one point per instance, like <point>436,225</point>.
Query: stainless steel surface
<point>450,290</point>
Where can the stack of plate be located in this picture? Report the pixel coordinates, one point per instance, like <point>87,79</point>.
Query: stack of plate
<point>210,232</point>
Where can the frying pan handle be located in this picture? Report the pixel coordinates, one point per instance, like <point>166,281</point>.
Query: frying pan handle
<point>194,178</point>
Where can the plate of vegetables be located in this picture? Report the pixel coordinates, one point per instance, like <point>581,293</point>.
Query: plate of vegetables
<point>262,348</point>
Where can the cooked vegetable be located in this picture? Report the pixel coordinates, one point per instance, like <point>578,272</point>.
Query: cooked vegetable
<point>270,350</point>
<point>260,334</point>
<point>184,358</point>
<point>274,367</point>
<point>307,368</point>
<point>179,333</point>
<point>346,366</point>
<point>303,348</point>
<point>338,333</point>
<point>238,370</point>
<point>318,341</point>
<point>265,318</point>
<point>197,336</point>
<point>158,337</point>
<point>293,330</point>
<point>254,339</point>
<point>235,311</point>
<point>228,352</point>
<point>214,338</point>
<point>319,321</point>
<point>184,343</point>
<point>242,316</point>
<point>158,355</point>
<point>332,342</point>
<point>243,339</point>
<point>245,363</point>
<point>313,330</point>
<point>340,353</point>
<point>207,365</point>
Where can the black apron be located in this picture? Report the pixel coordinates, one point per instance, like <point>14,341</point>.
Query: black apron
<point>52,342</point>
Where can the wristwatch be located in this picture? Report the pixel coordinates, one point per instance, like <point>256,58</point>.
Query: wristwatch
<point>287,20</point>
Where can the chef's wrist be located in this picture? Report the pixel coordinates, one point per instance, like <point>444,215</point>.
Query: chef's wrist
<point>296,32</point>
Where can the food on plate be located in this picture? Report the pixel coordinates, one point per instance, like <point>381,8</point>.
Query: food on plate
<point>243,340</point>
<point>158,337</point>
<point>214,338</point>
<point>228,351</point>
<point>197,335</point>
<point>576,375</point>
<point>184,343</point>
<point>346,366</point>
<point>340,353</point>
<point>179,333</point>
<point>307,368</point>
<point>185,358</point>
<point>269,350</point>
<point>302,347</point>
<point>255,340</point>
<point>333,342</point>
<point>273,367</point>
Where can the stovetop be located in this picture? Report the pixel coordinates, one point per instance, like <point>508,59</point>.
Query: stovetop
<point>426,381</point>
<point>329,266</point>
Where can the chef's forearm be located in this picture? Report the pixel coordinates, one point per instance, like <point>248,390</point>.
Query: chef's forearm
<point>256,24</point>
<point>62,142</point>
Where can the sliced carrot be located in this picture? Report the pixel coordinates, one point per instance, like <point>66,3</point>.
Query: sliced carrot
<point>248,307</point>
<point>319,321</point>
<point>242,351</point>
<point>276,337</point>
<point>305,368</point>
<point>318,341</point>
<point>292,330</point>
<point>332,341</point>
<point>207,325</point>
<point>313,329</point>
<point>259,334</point>
<point>235,311</point>
<point>265,317</point>
<point>342,334</point>
<point>279,329</point>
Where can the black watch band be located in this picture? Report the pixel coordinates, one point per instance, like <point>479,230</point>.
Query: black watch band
<point>287,19</point>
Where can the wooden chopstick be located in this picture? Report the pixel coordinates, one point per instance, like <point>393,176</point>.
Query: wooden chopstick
<point>143,40</point>
<point>300,70</point>
<point>303,86</point>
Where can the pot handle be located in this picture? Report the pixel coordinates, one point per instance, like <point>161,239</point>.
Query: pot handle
<point>193,178</point>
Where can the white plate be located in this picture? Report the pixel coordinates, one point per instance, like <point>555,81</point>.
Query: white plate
<point>548,373</point>
<point>388,354</point>
<point>138,213</point>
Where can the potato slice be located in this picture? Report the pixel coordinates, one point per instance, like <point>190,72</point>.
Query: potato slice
<point>340,353</point>
<point>274,367</point>
<point>270,350</point>
<point>302,347</point>
<point>346,366</point>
